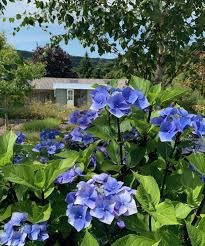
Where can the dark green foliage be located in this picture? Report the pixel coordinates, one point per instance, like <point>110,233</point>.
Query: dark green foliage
<point>57,62</point>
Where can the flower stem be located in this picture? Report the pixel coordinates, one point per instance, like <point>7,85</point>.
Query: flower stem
<point>149,114</point>
<point>42,198</point>
<point>120,141</point>
<point>168,166</point>
<point>198,211</point>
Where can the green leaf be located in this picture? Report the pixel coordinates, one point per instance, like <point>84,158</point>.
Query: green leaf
<point>154,93</point>
<point>21,174</point>
<point>89,240</point>
<point>165,213</point>
<point>140,84</point>
<point>198,161</point>
<point>170,95</point>
<point>36,213</point>
<point>196,235</point>
<point>109,166</point>
<point>193,187</point>
<point>136,223</point>
<point>134,240</point>
<point>148,193</point>
<point>101,131</point>
<point>7,141</point>
<point>53,170</point>
<point>168,238</point>
<point>5,213</point>
<point>182,210</point>
<point>113,150</point>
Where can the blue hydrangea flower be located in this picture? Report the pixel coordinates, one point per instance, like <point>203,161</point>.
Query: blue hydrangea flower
<point>135,97</point>
<point>48,134</point>
<point>171,121</point>
<point>83,119</point>
<point>78,216</point>
<point>198,125</point>
<point>121,224</point>
<point>86,195</point>
<point>20,138</point>
<point>38,232</point>
<point>69,176</point>
<point>18,159</point>
<point>104,210</point>
<point>99,98</point>
<point>81,136</point>
<point>50,146</point>
<point>197,145</point>
<point>117,105</point>
<point>102,197</point>
<point>16,231</point>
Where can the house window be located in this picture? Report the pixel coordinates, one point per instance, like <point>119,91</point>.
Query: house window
<point>70,95</point>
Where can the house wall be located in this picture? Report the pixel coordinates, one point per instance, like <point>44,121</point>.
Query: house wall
<point>42,95</point>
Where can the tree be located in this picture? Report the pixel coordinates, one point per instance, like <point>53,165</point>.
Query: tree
<point>15,74</point>
<point>85,68</point>
<point>153,38</point>
<point>57,62</point>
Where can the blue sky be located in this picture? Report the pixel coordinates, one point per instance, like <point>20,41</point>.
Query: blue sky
<point>28,38</point>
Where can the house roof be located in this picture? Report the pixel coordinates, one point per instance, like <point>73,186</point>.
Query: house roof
<point>47,83</point>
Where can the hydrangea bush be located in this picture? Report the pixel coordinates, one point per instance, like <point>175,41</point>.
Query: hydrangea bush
<point>131,172</point>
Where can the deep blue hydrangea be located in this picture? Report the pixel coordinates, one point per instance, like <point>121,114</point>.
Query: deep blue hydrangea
<point>81,136</point>
<point>18,159</point>
<point>99,98</point>
<point>102,197</point>
<point>198,124</point>
<point>131,136</point>
<point>197,145</point>
<point>48,145</point>
<point>171,121</point>
<point>69,176</point>
<point>48,134</point>
<point>51,147</point>
<point>82,119</point>
<point>20,138</point>
<point>17,230</point>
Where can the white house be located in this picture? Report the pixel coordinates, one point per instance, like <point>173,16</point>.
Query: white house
<point>72,91</point>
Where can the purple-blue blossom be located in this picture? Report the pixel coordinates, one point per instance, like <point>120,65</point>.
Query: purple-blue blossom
<point>48,134</point>
<point>171,122</point>
<point>99,98</point>
<point>20,138</point>
<point>102,197</point>
<point>17,231</point>
<point>69,176</point>
<point>83,119</point>
<point>117,105</point>
<point>81,136</point>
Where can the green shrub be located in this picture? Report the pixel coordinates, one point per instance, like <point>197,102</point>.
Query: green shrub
<point>39,125</point>
<point>39,110</point>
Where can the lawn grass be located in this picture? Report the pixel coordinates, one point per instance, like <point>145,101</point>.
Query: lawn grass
<point>39,125</point>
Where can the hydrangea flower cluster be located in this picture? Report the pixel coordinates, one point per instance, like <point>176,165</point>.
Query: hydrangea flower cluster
<point>102,197</point>
<point>81,136</point>
<point>118,101</point>
<point>48,144</point>
<point>83,119</point>
<point>17,231</point>
<point>197,145</point>
<point>18,159</point>
<point>69,176</point>
<point>20,138</point>
<point>48,134</point>
<point>176,120</point>
<point>131,136</point>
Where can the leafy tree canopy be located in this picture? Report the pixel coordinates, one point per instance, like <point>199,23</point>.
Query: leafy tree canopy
<point>155,37</point>
<point>15,73</point>
<point>57,62</point>
<point>85,67</point>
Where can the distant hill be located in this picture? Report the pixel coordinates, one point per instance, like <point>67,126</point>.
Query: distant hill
<point>75,59</point>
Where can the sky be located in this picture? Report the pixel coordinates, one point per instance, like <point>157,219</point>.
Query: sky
<point>28,38</point>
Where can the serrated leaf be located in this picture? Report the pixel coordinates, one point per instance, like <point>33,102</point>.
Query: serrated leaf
<point>148,193</point>
<point>134,240</point>
<point>140,84</point>
<point>196,235</point>
<point>165,213</point>
<point>7,141</point>
<point>89,240</point>
<point>182,210</point>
